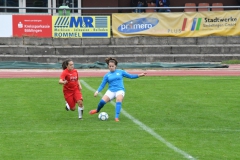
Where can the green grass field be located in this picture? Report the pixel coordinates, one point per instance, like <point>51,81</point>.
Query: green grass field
<point>163,118</point>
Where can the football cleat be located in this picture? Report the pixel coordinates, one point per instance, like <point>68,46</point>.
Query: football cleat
<point>67,108</point>
<point>93,111</point>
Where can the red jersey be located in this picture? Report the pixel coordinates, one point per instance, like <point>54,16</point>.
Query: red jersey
<point>72,77</point>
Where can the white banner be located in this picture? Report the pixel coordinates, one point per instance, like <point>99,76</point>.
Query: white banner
<point>6,26</point>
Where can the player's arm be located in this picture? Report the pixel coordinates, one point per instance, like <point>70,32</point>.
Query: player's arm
<point>142,74</point>
<point>80,86</point>
<point>62,79</point>
<point>132,76</point>
<point>102,85</point>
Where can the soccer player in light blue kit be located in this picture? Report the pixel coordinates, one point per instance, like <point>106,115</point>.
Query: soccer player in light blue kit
<point>114,78</point>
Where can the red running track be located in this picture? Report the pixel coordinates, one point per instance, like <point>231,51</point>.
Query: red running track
<point>233,70</point>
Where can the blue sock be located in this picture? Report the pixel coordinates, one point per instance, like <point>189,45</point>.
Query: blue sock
<point>118,109</point>
<point>100,105</point>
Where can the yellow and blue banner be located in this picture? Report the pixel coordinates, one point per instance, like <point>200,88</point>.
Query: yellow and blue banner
<point>185,24</point>
<point>81,26</point>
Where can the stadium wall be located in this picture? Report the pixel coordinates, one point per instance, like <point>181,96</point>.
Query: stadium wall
<point>135,49</point>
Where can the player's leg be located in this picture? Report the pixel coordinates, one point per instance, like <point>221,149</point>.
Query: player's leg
<point>80,109</point>
<point>106,98</point>
<point>119,99</point>
<point>70,102</point>
<point>67,106</point>
<point>79,99</point>
<point>66,95</point>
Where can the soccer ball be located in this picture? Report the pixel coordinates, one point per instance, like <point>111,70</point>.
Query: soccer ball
<point>103,116</point>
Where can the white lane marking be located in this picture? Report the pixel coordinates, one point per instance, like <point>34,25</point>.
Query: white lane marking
<point>146,128</point>
<point>110,129</point>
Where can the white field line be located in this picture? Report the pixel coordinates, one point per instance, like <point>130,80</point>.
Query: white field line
<point>146,128</point>
<point>109,129</point>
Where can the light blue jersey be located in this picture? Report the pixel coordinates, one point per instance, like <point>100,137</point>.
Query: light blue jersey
<point>115,80</point>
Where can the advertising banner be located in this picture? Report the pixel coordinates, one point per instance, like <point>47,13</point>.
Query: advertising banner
<point>6,26</point>
<point>32,25</point>
<point>185,24</point>
<point>81,27</point>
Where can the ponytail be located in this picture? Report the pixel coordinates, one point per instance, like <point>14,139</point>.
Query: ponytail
<point>110,59</point>
<point>65,63</point>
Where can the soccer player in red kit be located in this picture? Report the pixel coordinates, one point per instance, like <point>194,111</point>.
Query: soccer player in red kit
<point>71,87</point>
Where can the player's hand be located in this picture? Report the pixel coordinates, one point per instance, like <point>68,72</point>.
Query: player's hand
<point>142,74</point>
<point>65,82</point>
<point>80,88</point>
<point>96,93</point>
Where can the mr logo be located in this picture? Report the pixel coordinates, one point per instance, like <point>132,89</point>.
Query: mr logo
<point>81,21</point>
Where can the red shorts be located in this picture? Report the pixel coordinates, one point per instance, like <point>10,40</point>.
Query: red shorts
<point>72,97</point>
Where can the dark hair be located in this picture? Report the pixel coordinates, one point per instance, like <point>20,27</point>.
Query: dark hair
<point>65,63</point>
<point>112,60</point>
